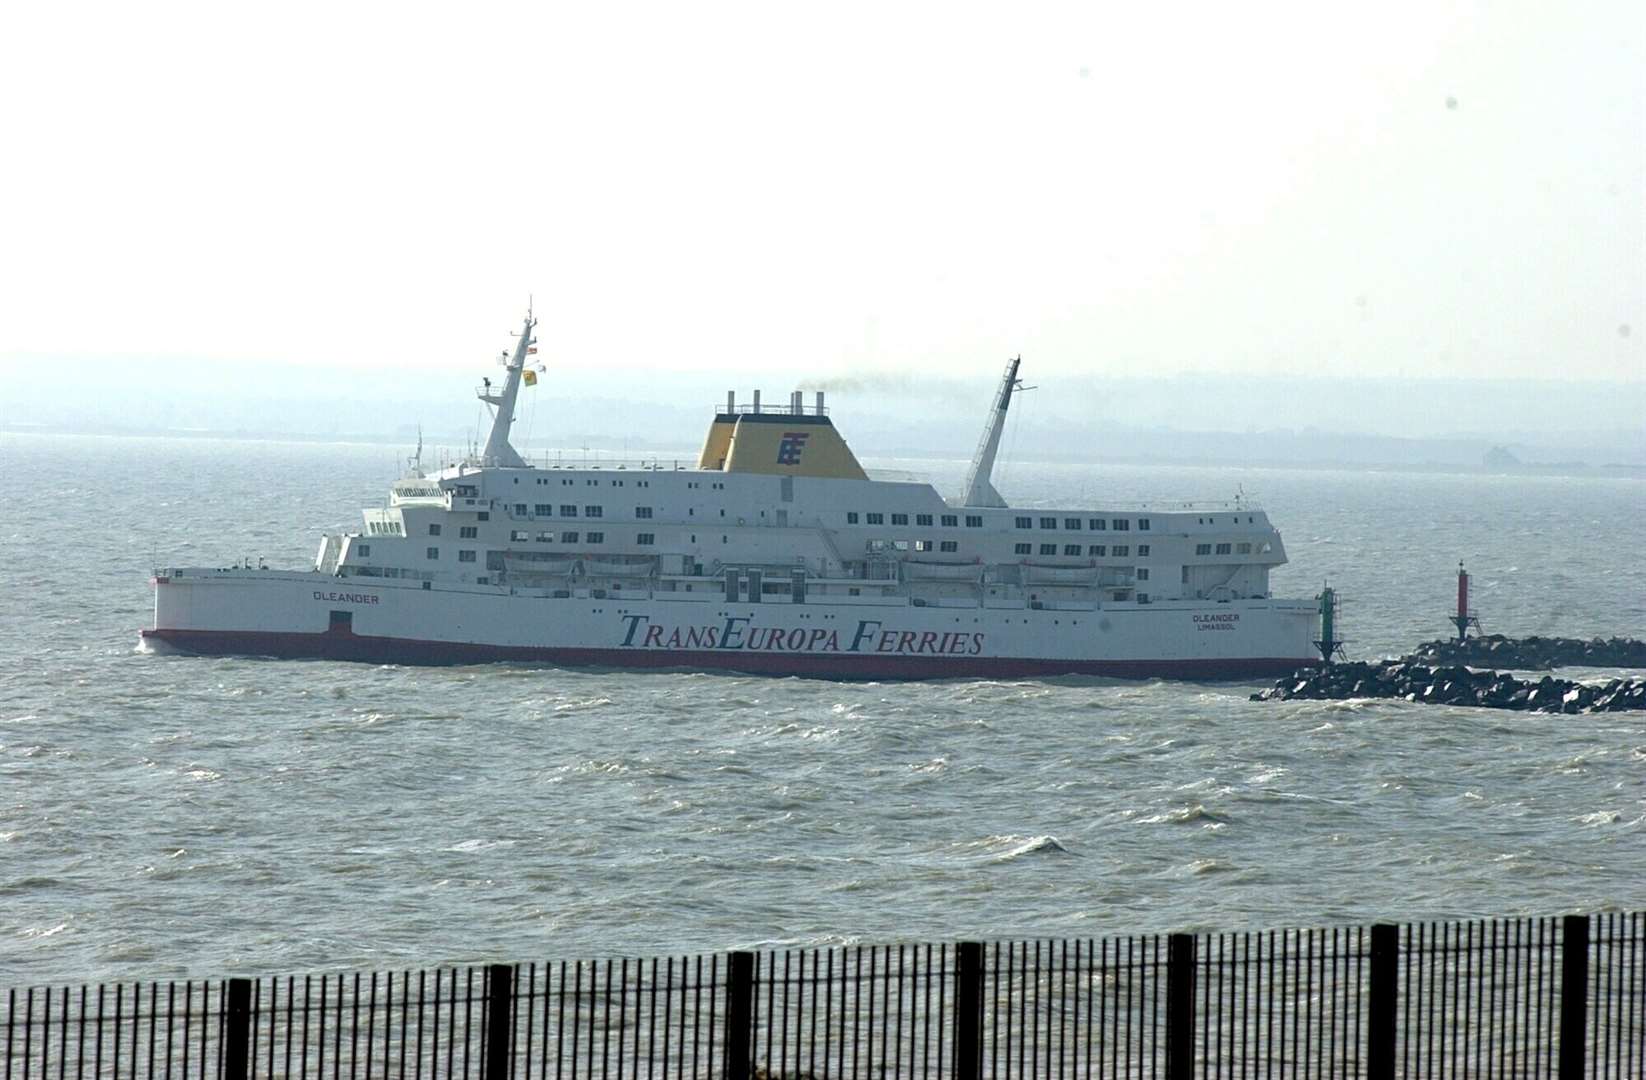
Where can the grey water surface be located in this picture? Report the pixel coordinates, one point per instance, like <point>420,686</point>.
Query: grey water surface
<point>162,816</point>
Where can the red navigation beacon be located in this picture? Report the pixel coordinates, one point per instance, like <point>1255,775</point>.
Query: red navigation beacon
<point>1464,617</point>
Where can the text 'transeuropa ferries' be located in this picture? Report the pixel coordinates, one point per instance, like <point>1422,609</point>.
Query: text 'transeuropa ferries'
<point>777,554</point>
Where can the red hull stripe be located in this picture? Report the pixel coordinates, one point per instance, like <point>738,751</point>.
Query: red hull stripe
<point>387,650</point>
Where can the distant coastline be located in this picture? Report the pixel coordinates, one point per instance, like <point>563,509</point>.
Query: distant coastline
<point>1445,461</point>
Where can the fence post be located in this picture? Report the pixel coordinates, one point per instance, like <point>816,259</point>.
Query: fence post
<point>968,1010</point>
<point>1384,1001</point>
<point>237,1029</point>
<point>1574,995</point>
<point>1180,974</point>
<point>739,1014</point>
<point>499,1020</point>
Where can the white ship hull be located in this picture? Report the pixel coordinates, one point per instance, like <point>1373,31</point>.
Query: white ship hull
<point>296,614</point>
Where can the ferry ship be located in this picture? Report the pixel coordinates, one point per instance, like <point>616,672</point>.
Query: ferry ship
<point>776,554</point>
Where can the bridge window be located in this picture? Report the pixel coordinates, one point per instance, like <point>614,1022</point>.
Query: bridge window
<point>642,512</point>
<point>519,509</point>
<point>876,519</point>
<point>923,519</point>
<point>1098,524</point>
<point>1120,551</point>
<point>465,555</point>
<point>1203,549</point>
<point>363,550</point>
<point>518,535</point>
<point>1048,523</point>
<point>543,510</point>
<point>645,539</point>
<point>593,511</point>
<point>468,532</point>
<point>1121,525</point>
<point>1143,573</point>
<point>851,517</point>
<point>568,538</point>
<point>1243,549</point>
<point>948,545</point>
<point>1048,549</point>
<point>433,553</point>
<point>1025,523</point>
<point>1143,551</point>
<point>1071,523</point>
<point>1224,549</point>
<point>1071,549</point>
<point>1142,524</point>
<point>974,521</point>
<point>434,530</point>
<point>567,510</point>
<point>950,521</point>
<point>922,545</point>
<point>545,538</point>
<point>900,519</point>
<point>1099,550</point>
<point>597,538</point>
<point>1023,549</point>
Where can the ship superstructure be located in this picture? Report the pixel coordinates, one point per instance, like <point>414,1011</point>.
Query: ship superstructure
<point>776,553</point>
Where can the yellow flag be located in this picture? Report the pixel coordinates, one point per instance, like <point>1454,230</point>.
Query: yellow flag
<point>531,378</point>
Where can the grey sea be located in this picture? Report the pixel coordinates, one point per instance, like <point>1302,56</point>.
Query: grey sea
<point>167,816</point>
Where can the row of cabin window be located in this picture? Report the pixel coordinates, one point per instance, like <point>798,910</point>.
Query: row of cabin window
<point>1118,551</point>
<point>1223,549</point>
<point>568,510</point>
<point>568,482</point>
<point>467,554</point>
<point>919,545</point>
<point>520,536</point>
<point>1094,524</point>
<point>949,521</point>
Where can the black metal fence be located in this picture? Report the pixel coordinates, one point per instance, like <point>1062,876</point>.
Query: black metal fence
<point>1494,998</point>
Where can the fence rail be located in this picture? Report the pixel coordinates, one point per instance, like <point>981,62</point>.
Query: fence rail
<point>1492,998</point>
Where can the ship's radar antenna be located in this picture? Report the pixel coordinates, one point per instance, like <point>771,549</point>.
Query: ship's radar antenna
<point>1465,617</point>
<point>979,487</point>
<point>414,464</point>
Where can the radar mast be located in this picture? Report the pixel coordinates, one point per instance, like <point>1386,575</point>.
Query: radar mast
<point>979,490</point>
<point>498,452</point>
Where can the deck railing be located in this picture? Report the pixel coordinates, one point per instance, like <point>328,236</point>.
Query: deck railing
<point>1493,998</point>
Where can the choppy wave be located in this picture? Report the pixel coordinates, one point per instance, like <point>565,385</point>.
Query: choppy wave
<point>300,816</point>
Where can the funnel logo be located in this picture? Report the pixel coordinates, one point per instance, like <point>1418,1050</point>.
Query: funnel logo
<point>790,447</point>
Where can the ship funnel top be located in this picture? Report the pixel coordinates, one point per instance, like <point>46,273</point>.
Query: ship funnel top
<point>498,452</point>
<point>779,439</point>
<point>979,487</point>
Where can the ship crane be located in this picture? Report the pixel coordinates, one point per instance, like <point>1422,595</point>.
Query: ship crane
<point>979,488</point>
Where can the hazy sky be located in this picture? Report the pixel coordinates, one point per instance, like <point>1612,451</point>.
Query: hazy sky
<point>1120,189</point>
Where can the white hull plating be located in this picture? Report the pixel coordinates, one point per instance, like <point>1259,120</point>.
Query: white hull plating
<point>293,614</point>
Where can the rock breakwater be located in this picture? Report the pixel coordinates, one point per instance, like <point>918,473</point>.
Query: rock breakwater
<point>1533,653</point>
<point>1455,685</point>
